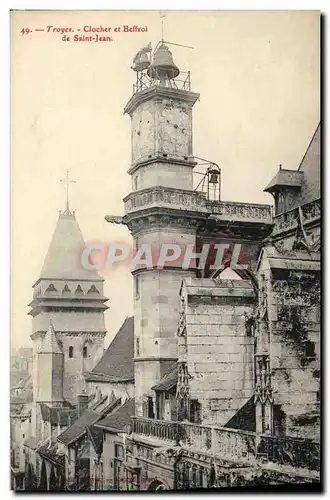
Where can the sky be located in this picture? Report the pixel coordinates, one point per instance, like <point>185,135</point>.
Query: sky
<point>258,75</point>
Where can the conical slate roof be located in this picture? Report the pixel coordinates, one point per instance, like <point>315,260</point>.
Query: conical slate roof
<point>49,343</point>
<point>63,259</point>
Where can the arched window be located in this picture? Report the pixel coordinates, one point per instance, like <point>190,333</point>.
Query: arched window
<point>85,351</point>
<point>70,351</point>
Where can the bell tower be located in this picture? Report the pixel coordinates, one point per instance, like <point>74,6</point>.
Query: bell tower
<point>157,210</point>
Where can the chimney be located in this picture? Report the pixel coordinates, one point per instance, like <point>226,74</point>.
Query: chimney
<point>82,402</point>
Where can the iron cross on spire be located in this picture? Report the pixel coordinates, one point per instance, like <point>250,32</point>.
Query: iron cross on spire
<point>162,14</point>
<point>67,182</point>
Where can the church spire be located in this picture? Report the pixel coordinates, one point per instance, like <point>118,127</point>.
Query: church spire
<point>50,344</point>
<point>67,182</point>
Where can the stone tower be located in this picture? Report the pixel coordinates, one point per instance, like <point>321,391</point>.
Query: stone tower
<point>156,211</point>
<point>72,298</point>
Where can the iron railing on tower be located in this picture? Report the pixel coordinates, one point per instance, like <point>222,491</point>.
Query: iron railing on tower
<point>144,81</point>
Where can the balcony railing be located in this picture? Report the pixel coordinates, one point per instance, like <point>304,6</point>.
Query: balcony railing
<point>236,444</point>
<point>196,200</point>
<point>222,441</point>
<point>159,429</point>
<point>143,82</point>
<point>289,220</point>
<point>161,196</point>
<point>232,444</point>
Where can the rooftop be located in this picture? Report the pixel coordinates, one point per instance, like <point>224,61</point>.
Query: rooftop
<point>118,420</point>
<point>63,257</point>
<point>286,178</point>
<point>168,381</point>
<point>116,363</point>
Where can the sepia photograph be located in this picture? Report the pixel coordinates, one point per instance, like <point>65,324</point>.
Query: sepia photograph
<point>165,317</point>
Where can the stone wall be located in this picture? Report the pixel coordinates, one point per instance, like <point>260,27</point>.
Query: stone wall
<point>219,347</point>
<point>74,368</point>
<point>295,351</point>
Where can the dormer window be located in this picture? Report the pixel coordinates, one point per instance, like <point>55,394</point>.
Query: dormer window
<point>285,188</point>
<point>93,289</point>
<point>79,290</point>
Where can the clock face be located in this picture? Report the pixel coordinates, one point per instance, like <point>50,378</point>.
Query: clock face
<point>174,128</point>
<point>142,134</point>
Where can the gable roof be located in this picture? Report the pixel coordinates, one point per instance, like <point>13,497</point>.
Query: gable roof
<point>120,418</point>
<point>117,363</point>
<point>52,453</point>
<point>96,436</point>
<point>72,433</point>
<point>88,418</point>
<point>64,415</point>
<point>168,381</point>
<point>63,257</point>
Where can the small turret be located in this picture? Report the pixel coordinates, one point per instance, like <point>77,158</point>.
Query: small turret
<point>50,369</point>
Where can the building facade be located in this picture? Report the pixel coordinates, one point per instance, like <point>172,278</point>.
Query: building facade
<point>227,367</point>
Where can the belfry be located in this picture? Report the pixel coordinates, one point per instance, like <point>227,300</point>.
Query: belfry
<point>162,157</point>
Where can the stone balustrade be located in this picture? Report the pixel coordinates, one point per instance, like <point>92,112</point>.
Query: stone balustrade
<point>289,220</point>
<point>196,201</point>
<point>159,429</point>
<point>300,453</point>
<point>221,441</point>
<point>231,444</point>
<point>165,197</point>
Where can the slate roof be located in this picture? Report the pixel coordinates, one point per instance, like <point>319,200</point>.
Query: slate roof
<point>63,415</point>
<point>116,363</point>
<point>88,418</point>
<point>49,342</point>
<point>168,381</point>
<point>96,436</point>
<point>72,433</point>
<point>288,178</point>
<point>120,418</point>
<point>63,257</point>
<point>52,453</point>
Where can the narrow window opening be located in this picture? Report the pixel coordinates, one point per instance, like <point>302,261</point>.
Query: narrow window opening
<point>70,351</point>
<point>85,351</point>
<point>310,349</point>
<point>137,287</point>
